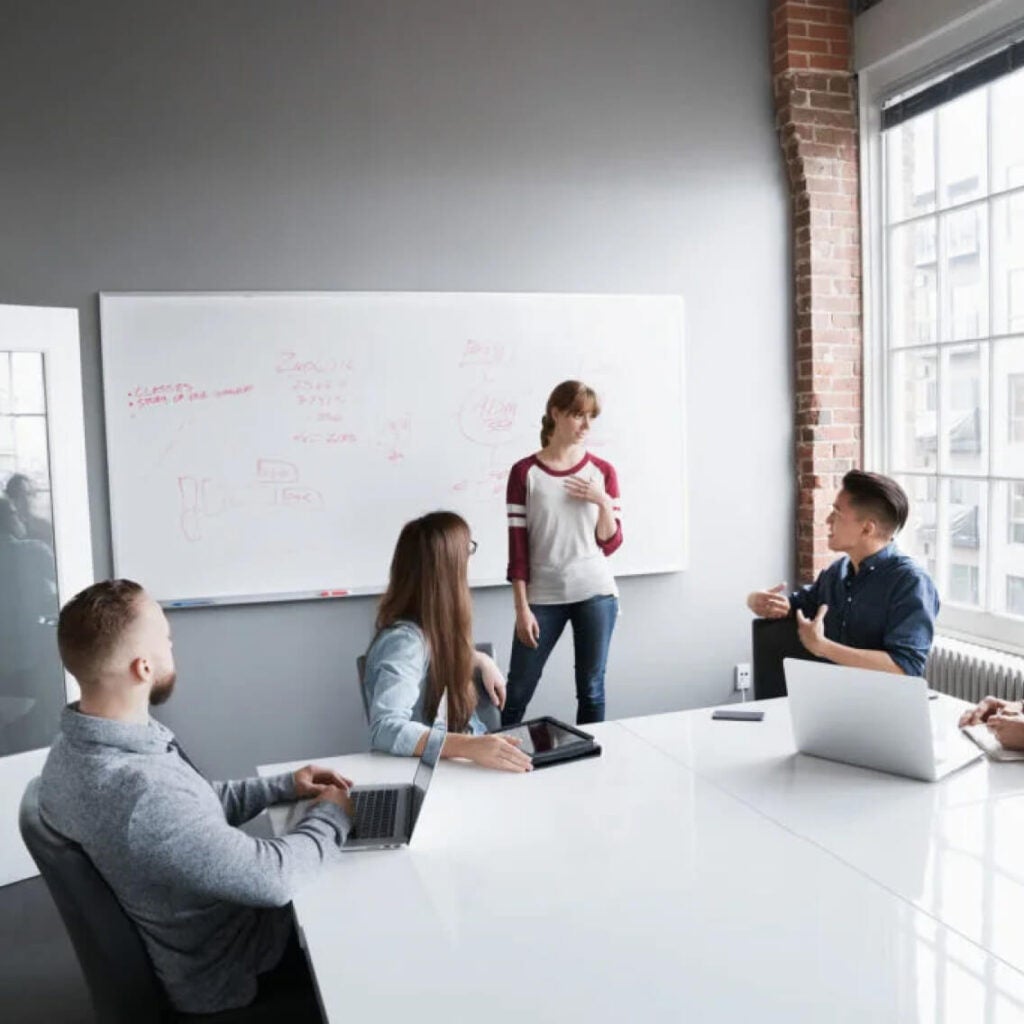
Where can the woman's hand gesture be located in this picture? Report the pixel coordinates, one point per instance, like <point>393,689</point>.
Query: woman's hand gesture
<point>587,490</point>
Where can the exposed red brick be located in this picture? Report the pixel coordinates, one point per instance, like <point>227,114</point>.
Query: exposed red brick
<point>804,13</point>
<point>808,44</point>
<point>834,62</point>
<point>829,31</point>
<point>827,100</point>
<point>816,115</point>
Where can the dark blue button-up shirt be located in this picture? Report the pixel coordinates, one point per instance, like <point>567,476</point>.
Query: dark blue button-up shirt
<point>889,605</point>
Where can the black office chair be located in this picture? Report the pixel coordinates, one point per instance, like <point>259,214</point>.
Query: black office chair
<point>122,984</point>
<point>771,641</point>
<point>489,715</point>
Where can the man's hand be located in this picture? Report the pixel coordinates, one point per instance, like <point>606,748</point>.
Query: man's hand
<point>769,604</point>
<point>986,709</point>
<point>1008,728</point>
<point>812,631</point>
<point>338,796</point>
<point>494,681</point>
<point>312,780</point>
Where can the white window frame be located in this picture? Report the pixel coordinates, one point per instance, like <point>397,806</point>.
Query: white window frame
<point>922,46</point>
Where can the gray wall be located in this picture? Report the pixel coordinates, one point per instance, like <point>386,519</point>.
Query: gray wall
<point>540,145</point>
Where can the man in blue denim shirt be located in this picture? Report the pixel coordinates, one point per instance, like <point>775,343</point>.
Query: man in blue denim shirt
<point>873,608</point>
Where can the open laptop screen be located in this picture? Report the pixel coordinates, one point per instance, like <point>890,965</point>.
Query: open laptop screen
<point>428,759</point>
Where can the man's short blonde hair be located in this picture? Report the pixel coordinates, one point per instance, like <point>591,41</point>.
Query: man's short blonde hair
<point>92,624</point>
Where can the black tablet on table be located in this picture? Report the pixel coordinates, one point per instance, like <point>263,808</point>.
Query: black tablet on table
<point>549,741</point>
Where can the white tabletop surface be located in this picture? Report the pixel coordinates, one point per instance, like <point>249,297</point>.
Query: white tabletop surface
<point>954,848</point>
<point>624,888</point>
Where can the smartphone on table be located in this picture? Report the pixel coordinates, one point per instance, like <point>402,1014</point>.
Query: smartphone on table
<point>737,715</point>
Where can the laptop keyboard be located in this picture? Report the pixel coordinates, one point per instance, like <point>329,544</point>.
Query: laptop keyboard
<point>375,811</point>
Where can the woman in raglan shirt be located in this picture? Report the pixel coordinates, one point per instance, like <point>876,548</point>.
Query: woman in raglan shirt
<point>563,522</point>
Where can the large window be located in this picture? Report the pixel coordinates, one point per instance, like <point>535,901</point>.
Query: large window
<point>952,415</point>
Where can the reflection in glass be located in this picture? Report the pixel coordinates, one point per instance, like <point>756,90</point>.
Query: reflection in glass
<point>31,677</point>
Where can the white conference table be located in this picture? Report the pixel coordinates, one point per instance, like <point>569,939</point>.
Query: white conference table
<point>955,849</point>
<point>635,887</point>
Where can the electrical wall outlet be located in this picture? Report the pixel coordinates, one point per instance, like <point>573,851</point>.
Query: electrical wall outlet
<point>741,674</point>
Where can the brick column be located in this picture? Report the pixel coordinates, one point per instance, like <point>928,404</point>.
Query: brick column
<point>816,115</point>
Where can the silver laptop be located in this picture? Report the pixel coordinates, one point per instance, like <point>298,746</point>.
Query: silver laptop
<point>872,719</point>
<point>385,816</point>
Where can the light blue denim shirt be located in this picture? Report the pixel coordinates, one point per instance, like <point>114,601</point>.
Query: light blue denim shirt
<point>396,685</point>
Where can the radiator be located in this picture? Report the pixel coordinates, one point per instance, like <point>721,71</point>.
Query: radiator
<point>971,672</point>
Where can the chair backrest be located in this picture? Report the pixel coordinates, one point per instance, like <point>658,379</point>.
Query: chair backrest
<point>771,641</point>
<point>488,714</point>
<point>361,673</point>
<point>121,981</point>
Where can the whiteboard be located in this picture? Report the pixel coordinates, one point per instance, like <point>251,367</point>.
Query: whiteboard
<point>269,446</point>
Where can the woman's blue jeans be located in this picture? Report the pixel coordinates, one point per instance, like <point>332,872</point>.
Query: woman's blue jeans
<point>592,621</point>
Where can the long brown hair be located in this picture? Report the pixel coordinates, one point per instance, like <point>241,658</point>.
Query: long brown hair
<point>429,586</point>
<point>570,396</point>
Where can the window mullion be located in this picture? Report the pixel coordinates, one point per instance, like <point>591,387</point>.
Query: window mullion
<point>943,534</point>
<point>991,601</point>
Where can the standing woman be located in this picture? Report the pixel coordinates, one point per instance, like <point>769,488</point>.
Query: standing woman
<point>424,646</point>
<point>563,522</point>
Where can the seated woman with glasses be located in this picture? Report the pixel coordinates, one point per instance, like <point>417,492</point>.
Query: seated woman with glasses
<point>424,646</point>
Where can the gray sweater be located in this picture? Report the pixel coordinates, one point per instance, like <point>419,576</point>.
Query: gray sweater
<point>210,901</point>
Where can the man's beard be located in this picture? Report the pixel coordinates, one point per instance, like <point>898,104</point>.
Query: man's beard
<point>162,689</point>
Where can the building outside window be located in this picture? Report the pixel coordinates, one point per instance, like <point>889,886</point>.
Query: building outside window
<point>1016,407</point>
<point>1015,595</point>
<point>963,584</point>
<point>1016,517</point>
<point>1015,290</point>
<point>952,356</point>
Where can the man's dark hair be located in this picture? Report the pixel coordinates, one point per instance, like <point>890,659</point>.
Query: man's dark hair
<point>878,497</point>
<point>9,522</point>
<point>18,486</point>
<point>92,623</point>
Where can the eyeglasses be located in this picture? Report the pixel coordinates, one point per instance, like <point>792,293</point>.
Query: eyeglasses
<point>472,546</point>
